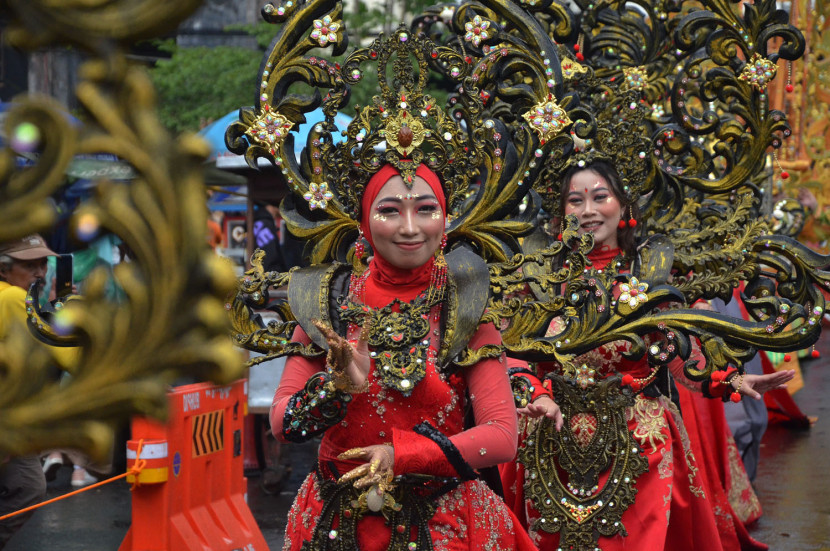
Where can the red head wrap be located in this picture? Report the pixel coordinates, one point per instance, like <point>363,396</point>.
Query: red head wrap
<point>379,179</point>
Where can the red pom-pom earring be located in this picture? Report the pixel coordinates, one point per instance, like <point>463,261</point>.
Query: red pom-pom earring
<point>630,223</point>
<point>577,47</point>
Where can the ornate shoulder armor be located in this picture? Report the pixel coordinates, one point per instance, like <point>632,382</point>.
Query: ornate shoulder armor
<point>314,293</point>
<point>467,298</point>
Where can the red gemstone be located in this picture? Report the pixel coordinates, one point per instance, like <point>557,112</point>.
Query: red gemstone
<point>790,87</point>
<point>400,528</point>
<point>434,55</point>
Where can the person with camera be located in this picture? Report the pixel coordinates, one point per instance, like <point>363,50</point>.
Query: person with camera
<point>22,482</point>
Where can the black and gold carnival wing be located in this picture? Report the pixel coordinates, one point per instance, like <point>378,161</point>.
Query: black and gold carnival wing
<point>517,76</point>
<point>479,163</point>
<point>782,295</point>
<point>273,338</point>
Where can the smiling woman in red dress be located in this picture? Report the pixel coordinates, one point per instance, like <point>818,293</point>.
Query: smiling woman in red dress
<point>662,492</point>
<point>398,465</point>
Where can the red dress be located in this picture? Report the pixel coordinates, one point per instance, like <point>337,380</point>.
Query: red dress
<point>727,485</point>
<point>670,510</point>
<point>469,516</point>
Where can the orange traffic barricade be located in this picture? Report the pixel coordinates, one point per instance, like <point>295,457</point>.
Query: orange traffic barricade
<point>190,493</point>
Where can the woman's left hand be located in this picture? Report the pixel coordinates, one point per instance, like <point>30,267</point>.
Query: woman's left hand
<point>756,385</point>
<point>544,406</point>
<point>378,469</point>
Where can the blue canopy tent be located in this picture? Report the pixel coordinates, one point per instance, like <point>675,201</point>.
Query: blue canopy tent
<point>264,185</point>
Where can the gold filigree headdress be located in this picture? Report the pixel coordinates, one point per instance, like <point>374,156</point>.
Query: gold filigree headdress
<point>617,134</point>
<point>482,165</point>
<point>402,126</point>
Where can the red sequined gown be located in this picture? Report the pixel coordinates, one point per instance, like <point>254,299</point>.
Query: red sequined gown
<point>671,511</point>
<point>469,517</point>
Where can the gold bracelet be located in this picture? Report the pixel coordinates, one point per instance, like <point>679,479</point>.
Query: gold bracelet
<point>388,457</point>
<point>740,378</point>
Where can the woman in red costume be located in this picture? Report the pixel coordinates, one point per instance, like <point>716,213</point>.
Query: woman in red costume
<point>398,466</point>
<point>644,490</point>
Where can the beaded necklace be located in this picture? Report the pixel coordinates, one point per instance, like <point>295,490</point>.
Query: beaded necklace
<point>400,331</point>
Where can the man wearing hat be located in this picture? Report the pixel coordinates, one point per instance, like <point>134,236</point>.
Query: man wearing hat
<point>22,482</point>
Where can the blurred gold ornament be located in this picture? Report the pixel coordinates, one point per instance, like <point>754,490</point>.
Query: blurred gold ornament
<point>172,323</point>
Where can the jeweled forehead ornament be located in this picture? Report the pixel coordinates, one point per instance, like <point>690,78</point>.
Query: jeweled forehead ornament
<point>405,133</point>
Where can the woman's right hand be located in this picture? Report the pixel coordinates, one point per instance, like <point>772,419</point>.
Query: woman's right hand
<point>544,406</point>
<point>344,358</point>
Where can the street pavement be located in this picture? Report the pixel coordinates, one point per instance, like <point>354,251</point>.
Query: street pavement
<point>792,484</point>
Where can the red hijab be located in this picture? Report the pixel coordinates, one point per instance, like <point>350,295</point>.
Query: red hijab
<point>387,282</point>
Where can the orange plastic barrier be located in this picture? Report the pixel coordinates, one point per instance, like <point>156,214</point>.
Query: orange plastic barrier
<point>191,493</point>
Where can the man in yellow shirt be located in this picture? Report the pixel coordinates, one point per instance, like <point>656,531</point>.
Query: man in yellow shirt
<point>22,482</point>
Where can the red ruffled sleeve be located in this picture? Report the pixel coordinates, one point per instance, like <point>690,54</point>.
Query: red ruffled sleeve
<point>491,441</point>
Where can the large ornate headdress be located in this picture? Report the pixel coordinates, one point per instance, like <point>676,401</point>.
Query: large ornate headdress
<point>614,130</point>
<point>403,126</point>
<point>477,159</point>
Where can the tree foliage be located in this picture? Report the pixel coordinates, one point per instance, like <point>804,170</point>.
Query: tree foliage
<point>197,85</point>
